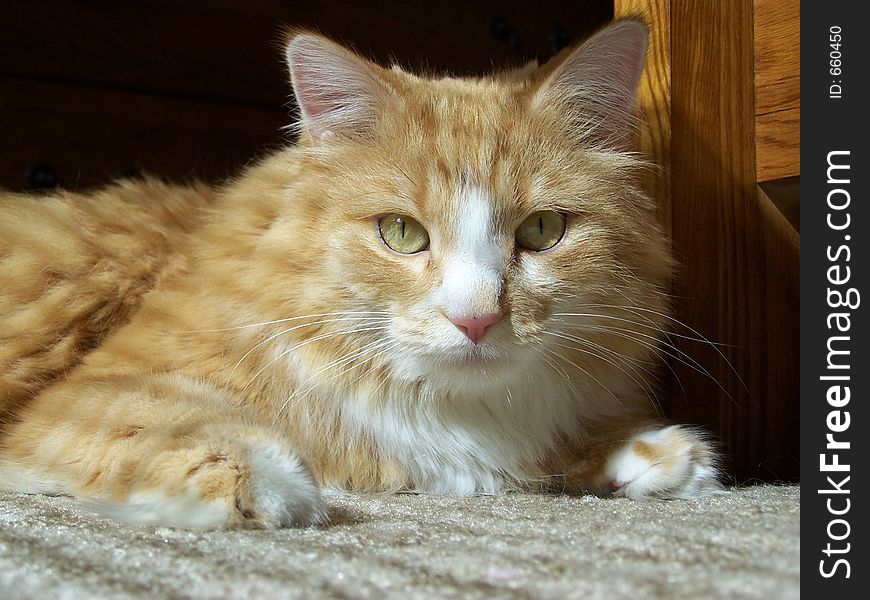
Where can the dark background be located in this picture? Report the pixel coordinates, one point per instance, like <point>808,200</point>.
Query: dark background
<point>91,90</point>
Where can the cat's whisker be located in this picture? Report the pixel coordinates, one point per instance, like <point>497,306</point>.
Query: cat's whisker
<point>666,363</point>
<point>379,347</point>
<point>342,360</point>
<point>325,337</point>
<point>612,318</point>
<point>598,352</point>
<point>658,345</point>
<point>637,361</point>
<point>566,379</point>
<point>586,372</point>
<point>288,319</point>
<point>680,355</point>
<point>568,384</point>
<point>701,337</point>
<point>641,383</point>
<point>630,362</point>
<point>554,366</point>
<point>383,351</point>
<point>379,352</point>
<point>625,359</point>
<point>636,309</point>
<point>383,379</point>
<point>295,347</point>
<point>302,326</point>
<point>406,176</point>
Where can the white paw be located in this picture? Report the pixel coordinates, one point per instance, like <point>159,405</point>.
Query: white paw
<point>283,490</point>
<point>672,462</point>
<point>260,484</point>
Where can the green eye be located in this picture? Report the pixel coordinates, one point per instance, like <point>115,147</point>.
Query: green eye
<point>541,230</point>
<point>403,234</point>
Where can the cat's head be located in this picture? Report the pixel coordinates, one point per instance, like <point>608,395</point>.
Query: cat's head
<point>479,220</point>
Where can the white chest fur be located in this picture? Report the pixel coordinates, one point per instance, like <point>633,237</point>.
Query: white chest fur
<point>463,445</point>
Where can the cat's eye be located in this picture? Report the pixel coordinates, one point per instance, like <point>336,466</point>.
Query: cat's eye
<point>541,230</point>
<point>403,234</point>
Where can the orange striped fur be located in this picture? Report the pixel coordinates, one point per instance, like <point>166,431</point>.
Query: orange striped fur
<point>199,356</point>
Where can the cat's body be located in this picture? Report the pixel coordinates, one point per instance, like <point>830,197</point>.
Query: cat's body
<point>201,357</point>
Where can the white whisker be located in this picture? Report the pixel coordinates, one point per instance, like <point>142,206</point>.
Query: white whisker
<point>276,321</point>
<point>701,337</point>
<point>641,383</point>
<point>587,373</point>
<point>379,347</point>
<point>317,338</point>
<point>370,320</point>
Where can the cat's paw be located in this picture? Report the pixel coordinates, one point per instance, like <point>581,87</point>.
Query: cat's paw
<point>280,490</point>
<point>672,462</point>
<point>258,484</point>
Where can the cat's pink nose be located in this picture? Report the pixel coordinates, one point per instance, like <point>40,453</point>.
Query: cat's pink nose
<point>475,327</point>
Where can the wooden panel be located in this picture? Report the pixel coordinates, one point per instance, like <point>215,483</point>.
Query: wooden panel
<point>739,278</point>
<point>230,50</point>
<point>775,398</point>
<point>785,194</point>
<point>91,136</point>
<point>777,55</point>
<point>777,144</point>
<point>777,88</point>
<point>654,99</point>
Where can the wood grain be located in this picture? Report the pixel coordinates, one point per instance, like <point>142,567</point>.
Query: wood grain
<point>777,29</point>
<point>654,99</point>
<point>777,88</point>
<point>778,144</point>
<point>740,263</point>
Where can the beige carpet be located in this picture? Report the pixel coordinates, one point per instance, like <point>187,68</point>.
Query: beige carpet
<point>741,545</point>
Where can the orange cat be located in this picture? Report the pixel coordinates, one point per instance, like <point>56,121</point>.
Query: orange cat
<point>449,285</point>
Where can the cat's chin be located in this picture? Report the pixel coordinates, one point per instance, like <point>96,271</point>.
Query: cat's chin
<point>472,369</point>
<point>473,357</point>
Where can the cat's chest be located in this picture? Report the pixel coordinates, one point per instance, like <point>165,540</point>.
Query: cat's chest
<point>461,446</point>
<point>385,433</point>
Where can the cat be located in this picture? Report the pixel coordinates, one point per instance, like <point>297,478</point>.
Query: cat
<point>449,286</point>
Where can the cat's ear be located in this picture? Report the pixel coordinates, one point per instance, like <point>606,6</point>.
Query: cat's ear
<point>594,85</point>
<point>338,93</point>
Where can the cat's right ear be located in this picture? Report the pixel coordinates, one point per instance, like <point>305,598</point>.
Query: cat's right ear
<point>594,85</point>
<point>338,93</point>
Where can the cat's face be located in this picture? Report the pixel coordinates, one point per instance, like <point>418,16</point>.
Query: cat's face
<point>475,215</point>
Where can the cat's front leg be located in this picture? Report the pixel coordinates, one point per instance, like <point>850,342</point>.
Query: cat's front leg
<point>646,461</point>
<point>160,450</point>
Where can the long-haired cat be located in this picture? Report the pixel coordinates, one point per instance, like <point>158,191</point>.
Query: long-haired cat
<point>452,286</point>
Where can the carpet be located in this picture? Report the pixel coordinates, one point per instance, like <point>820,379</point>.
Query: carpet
<point>744,544</point>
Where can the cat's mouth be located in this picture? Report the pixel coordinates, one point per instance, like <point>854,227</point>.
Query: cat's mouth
<point>477,357</point>
<point>459,361</point>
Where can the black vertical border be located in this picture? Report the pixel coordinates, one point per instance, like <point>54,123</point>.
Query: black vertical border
<point>834,124</point>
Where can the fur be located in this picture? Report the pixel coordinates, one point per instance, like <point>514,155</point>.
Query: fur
<point>201,357</point>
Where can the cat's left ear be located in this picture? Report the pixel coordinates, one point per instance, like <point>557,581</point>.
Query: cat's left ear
<point>339,94</point>
<point>593,86</point>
